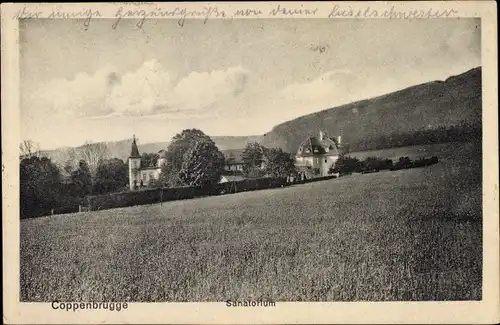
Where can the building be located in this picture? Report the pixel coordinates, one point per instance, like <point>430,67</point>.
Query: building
<point>317,155</point>
<point>234,164</point>
<point>233,160</point>
<point>142,175</point>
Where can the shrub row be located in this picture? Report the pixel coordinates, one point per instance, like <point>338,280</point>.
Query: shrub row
<point>150,196</point>
<point>315,179</point>
<point>405,163</point>
<point>371,165</point>
<point>347,165</point>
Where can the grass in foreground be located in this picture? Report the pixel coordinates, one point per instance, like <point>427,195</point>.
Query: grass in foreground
<point>404,235</point>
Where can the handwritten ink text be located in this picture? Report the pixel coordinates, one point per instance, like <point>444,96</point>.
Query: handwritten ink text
<point>88,14</point>
<point>206,12</point>
<point>247,13</point>
<point>338,11</point>
<point>291,12</point>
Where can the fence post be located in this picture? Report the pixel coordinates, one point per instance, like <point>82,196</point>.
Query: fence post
<point>52,211</point>
<point>161,196</point>
<point>79,208</point>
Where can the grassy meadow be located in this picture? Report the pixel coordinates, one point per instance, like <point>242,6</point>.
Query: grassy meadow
<point>394,235</point>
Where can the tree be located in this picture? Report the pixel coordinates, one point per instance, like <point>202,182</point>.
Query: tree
<point>111,175</point>
<point>280,163</point>
<point>346,165</point>
<point>149,159</point>
<point>253,156</point>
<point>92,154</point>
<point>68,168</point>
<point>202,164</point>
<point>82,179</point>
<point>255,172</point>
<point>29,149</point>
<point>180,144</point>
<point>170,176</point>
<point>40,184</point>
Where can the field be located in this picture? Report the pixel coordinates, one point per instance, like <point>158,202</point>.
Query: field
<point>441,150</point>
<point>402,235</point>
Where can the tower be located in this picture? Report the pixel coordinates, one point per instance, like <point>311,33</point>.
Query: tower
<point>134,165</point>
<point>162,158</point>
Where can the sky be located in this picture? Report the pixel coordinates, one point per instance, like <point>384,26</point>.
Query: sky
<point>225,77</point>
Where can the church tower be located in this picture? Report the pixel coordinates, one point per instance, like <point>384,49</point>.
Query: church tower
<point>134,165</point>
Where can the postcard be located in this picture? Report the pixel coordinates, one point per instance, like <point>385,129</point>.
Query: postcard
<point>250,163</point>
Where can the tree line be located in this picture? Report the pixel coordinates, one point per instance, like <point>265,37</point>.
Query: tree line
<point>461,132</point>
<point>192,159</point>
<point>45,185</point>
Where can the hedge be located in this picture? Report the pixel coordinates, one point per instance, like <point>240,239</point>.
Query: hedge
<point>405,163</point>
<point>150,196</point>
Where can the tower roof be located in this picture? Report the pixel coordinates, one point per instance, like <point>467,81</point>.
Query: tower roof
<point>321,145</point>
<point>135,151</point>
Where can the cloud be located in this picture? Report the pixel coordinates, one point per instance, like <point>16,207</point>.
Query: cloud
<point>210,88</point>
<point>83,96</point>
<point>332,88</point>
<point>150,90</point>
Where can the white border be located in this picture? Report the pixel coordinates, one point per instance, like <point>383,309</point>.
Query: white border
<point>485,311</point>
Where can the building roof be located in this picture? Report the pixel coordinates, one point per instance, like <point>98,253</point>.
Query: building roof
<point>162,154</point>
<point>318,146</point>
<point>233,156</point>
<point>229,178</point>
<point>135,151</point>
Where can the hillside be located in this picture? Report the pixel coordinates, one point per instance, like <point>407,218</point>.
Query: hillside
<point>121,149</point>
<point>429,106</point>
<point>423,107</point>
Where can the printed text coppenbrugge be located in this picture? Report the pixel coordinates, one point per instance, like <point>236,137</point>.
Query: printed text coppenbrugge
<point>74,306</point>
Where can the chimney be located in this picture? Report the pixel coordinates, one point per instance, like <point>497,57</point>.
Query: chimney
<point>339,140</point>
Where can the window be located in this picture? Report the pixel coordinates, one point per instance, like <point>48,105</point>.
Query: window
<point>325,160</point>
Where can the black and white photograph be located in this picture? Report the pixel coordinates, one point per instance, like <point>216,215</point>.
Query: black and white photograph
<point>250,161</point>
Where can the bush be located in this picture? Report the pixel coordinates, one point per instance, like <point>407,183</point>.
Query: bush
<point>346,165</point>
<point>374,164</point>
<point>425,162</point>
<point>403,163</point>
